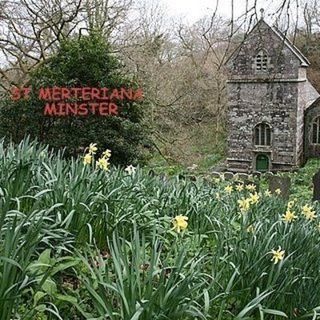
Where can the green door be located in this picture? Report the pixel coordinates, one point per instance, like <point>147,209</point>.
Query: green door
<point>262,163</point>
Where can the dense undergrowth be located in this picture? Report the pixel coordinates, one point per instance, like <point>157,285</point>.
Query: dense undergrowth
<point>79,242</point>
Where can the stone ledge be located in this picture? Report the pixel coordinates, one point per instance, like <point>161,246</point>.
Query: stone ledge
<point>265,80</point>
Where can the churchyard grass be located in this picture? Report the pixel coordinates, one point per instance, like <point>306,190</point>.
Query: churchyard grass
<point>80,242</point>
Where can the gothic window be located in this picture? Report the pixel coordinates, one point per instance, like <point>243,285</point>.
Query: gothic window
<point>316,131</point>
<point>262,135</point>
<point>261,61</point>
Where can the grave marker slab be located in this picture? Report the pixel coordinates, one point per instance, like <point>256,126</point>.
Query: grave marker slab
<point>316,186</point>
<point>282,183</point>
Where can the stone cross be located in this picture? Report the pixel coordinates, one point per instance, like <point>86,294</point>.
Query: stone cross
<point>282,183</point>
<point>316,186</point>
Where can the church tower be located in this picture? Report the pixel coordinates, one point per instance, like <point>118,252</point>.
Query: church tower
<point>268,92</point>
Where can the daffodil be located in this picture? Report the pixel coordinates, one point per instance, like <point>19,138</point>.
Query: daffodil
<point>87,159</point>
<point>251,187</point>
<point>106,154</point>
<point>93,148</point>
<point>251,229</point>
<point>289,216</point>
<point>103,163</point>
<point>239,187</point>
<point>254,198</point>
<point>268,193</point>
<point>180,223</point>
<point>130,169</point>
<point>228,189</point>
<point>42,154</point>
<point>309,213</point>
<point>244,205</point>
<point>290,204</point>
<point>277,191</point>
<point>278,255</point>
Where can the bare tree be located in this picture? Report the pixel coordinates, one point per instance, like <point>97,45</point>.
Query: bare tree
<point>31,30</point>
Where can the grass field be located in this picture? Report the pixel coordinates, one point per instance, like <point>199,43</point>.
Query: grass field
<point>81,241</point>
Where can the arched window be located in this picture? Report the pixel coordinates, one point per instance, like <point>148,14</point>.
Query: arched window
<point>262,135</point>
<point>316,131</point>
<point>262,61</point>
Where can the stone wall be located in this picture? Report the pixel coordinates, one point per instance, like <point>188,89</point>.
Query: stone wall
<point>274,103</point>
<point>311,150</point>
<point>306,96</point>
<point>278,97</point>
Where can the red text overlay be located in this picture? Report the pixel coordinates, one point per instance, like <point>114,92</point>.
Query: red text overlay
<point>60,101</point>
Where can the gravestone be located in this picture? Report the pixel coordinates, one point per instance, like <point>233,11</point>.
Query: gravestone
<point>216,175</point>
<point>208,181</point>
<point>268,174</point>
<point>316,186</point>
<point>228,175</point>
<point>243,176</point>
<point>257,174</point>
<point>282,183</point>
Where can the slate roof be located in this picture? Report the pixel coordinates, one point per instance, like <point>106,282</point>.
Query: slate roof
<point>304,61</point>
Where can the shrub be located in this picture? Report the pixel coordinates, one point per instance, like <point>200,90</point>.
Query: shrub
<point>84,62</point>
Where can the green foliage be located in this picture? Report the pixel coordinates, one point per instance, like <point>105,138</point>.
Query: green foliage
<point>78,242</point>
<point>145,280</point>
<point>302,185</point>
<point>84,62</point>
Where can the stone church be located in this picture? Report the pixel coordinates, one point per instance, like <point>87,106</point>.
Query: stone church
<point>273,110</point>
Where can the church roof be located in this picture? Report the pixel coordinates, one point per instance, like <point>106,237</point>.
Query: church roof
<point>314,104</point>
<point>304,61</point>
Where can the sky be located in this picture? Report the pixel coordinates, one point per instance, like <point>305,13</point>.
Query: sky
<point>192,10</point>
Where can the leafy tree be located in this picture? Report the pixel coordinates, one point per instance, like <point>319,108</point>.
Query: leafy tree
<point>83,62</point>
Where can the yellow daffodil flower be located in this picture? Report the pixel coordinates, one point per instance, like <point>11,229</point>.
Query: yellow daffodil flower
<point>244,205</point>
<point>228,189</point>
<point>106,154</point>
<point>251,187</point>
<point>87,159</point>
<point>311,215</point>
<point>278,255</point>
<point>308,212</point>
<point>277,191</point>
<point>103,163</point>
<point>239,187</point>
<point>93,148</point>
<point>180,223</point>
<point>254,198</point>
<point>268,193</point>
<point>290,204</point>
<point>251,229</point>
<point>130,169</point>
<point>289,216</point>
